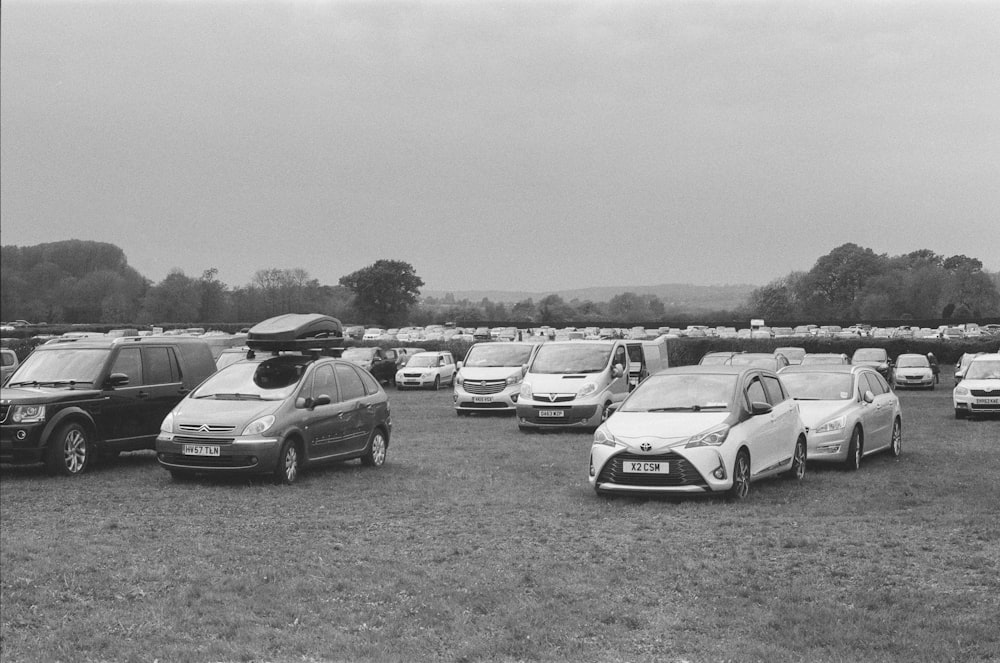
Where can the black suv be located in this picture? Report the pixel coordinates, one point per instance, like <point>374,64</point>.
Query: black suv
<point>73,399</point>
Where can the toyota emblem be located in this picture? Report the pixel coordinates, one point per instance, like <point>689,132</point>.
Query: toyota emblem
<point>646,446</point>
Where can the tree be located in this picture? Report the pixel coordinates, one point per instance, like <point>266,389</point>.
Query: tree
<point>385,291</point>
<point>832,286</point>
<point>177,298</point>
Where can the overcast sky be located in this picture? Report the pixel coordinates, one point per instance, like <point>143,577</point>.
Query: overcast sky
<point>531,146</point>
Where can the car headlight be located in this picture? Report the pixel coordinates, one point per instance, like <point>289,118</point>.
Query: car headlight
<point>961,391</point>
<point>167,426</point>
<point>514,379</point>
<point>459,380</point>
<point>27,414</point>
<point>526,390</point>
<point>603,436</point>
<point>713,437</point>
<point>258,426</point>
<point>399,376</point>
<point>586,390</point>
<point>832,425</point>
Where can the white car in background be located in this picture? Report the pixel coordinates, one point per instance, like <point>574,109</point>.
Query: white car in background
<point>427,370</point>
<point>913,370</point>
<point>979,391</point>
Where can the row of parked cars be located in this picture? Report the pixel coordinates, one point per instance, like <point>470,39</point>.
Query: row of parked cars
<point>292,400</point>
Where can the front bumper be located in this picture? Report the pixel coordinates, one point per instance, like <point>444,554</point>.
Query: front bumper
<point>972,403</point>
<point>538,414</point>
<point>486,399</point>
<point>915,381</point>
<point>251,455</point>
<point>690,471</point>
<point>829,447</point>
<point>22,443</point>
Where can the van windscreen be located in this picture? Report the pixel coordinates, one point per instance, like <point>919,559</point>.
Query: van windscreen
<point>571,358</point>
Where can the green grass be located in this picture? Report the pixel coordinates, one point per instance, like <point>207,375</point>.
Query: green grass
<point>479,543</point>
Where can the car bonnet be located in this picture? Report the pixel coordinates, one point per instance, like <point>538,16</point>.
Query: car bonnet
<point>667,426</point>
<point>814,413</point>
<point>211,411</point>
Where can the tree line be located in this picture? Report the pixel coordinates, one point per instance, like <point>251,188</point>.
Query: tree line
<point>78,281</point>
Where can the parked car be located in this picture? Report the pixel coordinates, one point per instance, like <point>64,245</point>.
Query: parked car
<point>427,370</point>
<point>572,384</point>
<point>767,360</point>
<point>979,391</point>
<point>75,399</point>
<point>849,411</point>
<point>279,411</point>
<point>489,379</point>
<point>8,363</point>
<point>813,358</point>
<point>793,354</point>
<point>700,429</point>
<point>962,365</point>
<point>373,360</point>
<point>716,358</point>
<point>913,370</point>
<point>877,358</point>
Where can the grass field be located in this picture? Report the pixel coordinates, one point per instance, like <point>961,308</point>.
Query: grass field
<point>480,543</point>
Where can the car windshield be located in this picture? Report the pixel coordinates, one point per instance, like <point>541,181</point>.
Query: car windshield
<point>354,354</point>
<point>421,361</point>
<point>913,361</point>
<point>713,360</point>
<point>818,386</point>
<point>762,361</point>
<point>984,369</point>
<point>498,354</point>
<point>571,358</point>
<point>269,380</point>
<point>869,355</point>
<point>61,366</point>
<point>682,392</point>
<point>791,353</point>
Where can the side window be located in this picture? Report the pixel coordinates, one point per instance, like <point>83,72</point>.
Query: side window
<point>350,383</point>
<point>775,394</point>
<point>873,384</point>
<point>324,382</point>
<point>620,356</point>
<point>755,392</point>
<point>160,366</point>
<point>129,362</point>
<point>371,385</point>
<point>635,354</point>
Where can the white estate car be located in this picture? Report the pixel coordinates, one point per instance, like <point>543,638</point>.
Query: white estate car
<point>979,390</point>
<point>427,370</point>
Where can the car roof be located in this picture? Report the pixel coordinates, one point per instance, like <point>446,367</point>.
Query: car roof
<point>713,369</point>
<point>827,368</point>
<point>108,342</point>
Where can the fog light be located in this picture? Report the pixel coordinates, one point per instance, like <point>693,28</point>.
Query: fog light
<point>21,434</point>
<point>719,473</point>
<point>591,466</point>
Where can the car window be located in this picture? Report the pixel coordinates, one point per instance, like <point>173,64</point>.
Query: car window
<point>880,381</point>
<point>324,382</point>
<point>160,366</point>
<point>129,362</point>
<point>8,359</point>
<point>620,356</point>
<point>371,384</point>
<point>350,383</point>
<point>775,394</point>
<point>755,392</point>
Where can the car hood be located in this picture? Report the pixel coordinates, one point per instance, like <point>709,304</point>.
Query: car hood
<point>814,413</point>
<point>46,394</point>
<point>870,362</point>
<point>982,384</point>
<point>222,412</point>
<point>489,372</point>
<point>661,428</point>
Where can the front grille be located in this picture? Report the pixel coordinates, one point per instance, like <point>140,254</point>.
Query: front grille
<point>554,398</point>
<point>4,411</point>
<point>682,472</point>
<point>181,439</point>
<point>496,405</point>
<point>982,393</point>
<point>413,376</point>
<point>484,387</point>
<point>234,462</point>
<point>206,428</point>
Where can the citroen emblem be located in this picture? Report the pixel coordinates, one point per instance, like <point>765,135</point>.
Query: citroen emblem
<point>203,428</point>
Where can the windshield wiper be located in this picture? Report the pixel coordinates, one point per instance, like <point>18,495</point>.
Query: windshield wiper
<point>687,408</point>
<point>48,383</point>
<point>234,397</point>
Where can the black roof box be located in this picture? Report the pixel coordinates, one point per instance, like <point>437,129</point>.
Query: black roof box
<point>297,331</point>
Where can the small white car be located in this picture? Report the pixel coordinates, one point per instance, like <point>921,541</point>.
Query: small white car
<point>979,391</point>
<point>913,370</point>
<point>427,370</point>
<point>698,430</point>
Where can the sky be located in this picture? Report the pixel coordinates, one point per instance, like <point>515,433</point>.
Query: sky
<point>534,146</point>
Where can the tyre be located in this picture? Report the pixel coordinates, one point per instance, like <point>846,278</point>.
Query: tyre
<point>741,477</point>
<point>896,444</point>
<point>798,468</point>
<point>854,451</point>
<point>377,449</point>
<point>437,383</point>
<point>287,470</point>
<point>69,450</point>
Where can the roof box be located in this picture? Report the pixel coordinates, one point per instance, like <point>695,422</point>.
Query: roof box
<point>297,331</point>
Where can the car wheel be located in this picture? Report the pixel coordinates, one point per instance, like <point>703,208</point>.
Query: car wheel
<point>960,414</point>
<point>854,451</point>
<point>437,383</point>
<point>287,470</point>
<point>69,451</point>
<point>798,469</point>
<point>896,445</point>
<point>377,448</point>
<point>741,476</point>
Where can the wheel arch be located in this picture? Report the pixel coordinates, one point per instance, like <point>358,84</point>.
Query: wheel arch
<point>71,415</point>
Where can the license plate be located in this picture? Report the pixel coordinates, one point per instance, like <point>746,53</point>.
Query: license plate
<point>555,414</point>
<point>201,450</point>
<point>482,399</point>
<point>988,401</point>
<point>646,467</point>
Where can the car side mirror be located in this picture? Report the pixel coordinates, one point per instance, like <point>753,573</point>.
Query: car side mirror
<point>757,408</point>
<point>308,402</point>
<point>117,380</point>
<point>868,396</point>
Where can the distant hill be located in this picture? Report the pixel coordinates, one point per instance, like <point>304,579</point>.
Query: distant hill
<point>680,295</point>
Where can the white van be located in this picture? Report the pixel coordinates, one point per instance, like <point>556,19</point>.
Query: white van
<point>572,384</point>
<point>489,380</point>
<point>645,358</point>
